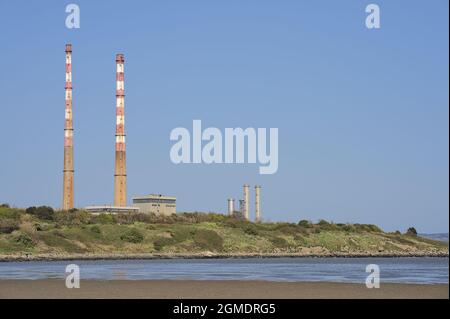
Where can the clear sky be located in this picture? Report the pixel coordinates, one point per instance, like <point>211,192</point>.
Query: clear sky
<point>362,114</point>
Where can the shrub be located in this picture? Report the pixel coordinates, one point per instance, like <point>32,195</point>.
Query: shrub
<point>96,229</point>
<point>131,218</point>
<point>411,231</point>
<point>323,222</point>
<point>31,210</point>
<point>305,223</point>
<point>279,242</point>
<point>132,236</point>
<point>163,241</point>
<point>197,217</point>
<point>232,223</point>
<point>287,229</point>
<point>181,234</point>
<point>367,228</point>
<point>45,213</point>
<point>73,218</point>
<point>6,212</point>
<point>250,229</point>
<point>41,212</point>
<point>302,240</point>
<point>208,239</point>
<point>104,219</point>
<point>348,228</point>
<point>324,225</point>
<point>374,228</point>
<point>24,239</point>
<point>4,205</point>
<point>8,225</point>
<point>238,215</point>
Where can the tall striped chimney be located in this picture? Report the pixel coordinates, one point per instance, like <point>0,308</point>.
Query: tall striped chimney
<point>120,176</point>
<point>246,199</point>
<point>257,204</point>
<point>68,136</point>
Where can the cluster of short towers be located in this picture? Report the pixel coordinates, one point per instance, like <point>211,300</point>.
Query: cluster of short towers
<point>244,209</point>
<point>120,176</point>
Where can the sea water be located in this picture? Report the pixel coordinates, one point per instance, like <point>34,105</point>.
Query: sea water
<point>423,270</point>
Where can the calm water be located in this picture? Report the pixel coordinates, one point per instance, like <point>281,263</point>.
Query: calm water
<point>402,270</point>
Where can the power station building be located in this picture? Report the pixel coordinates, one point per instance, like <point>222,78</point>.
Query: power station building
<point>156,204</point>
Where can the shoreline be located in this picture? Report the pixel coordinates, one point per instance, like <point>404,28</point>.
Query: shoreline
<point>63,257</point>
<point>215,289</point>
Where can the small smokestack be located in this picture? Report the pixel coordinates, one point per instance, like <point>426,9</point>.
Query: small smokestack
<point>257,204</point>
<point>242,207</point>
<point>120,176</point>
<point>68,136</point>
<point>230,206</point>
<point>246,201</point>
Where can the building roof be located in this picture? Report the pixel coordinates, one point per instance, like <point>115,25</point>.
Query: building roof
<point>107,208</point>
<point>155,196</point>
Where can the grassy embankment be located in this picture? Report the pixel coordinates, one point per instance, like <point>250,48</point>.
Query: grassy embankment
<point>43,232</point>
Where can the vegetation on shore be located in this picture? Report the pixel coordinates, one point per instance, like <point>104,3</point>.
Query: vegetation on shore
<point>43,231</point>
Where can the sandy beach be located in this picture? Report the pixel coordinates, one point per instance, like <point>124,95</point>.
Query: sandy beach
<point>55,288</point>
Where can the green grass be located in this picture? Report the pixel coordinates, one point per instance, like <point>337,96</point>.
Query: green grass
<point>56,240</point>
<point>79,232</point>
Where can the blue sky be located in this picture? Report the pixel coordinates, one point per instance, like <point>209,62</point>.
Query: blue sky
<point>362,114</point>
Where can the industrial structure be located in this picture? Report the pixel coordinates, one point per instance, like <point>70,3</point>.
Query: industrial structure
<point>68,173</point>
<point>230,206</point>
<point>244,204</point>
<point>95,210</point>
<point>120,175</point>
<point>245,212</point>
<point>156,204</point>
<point>257,204</point>
<point>241,207</point>
<point>152,204</point>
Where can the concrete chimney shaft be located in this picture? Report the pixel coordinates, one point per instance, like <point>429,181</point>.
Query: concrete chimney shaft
<point>230,206</point>
<point>257,204</point>
<point>246,202</point>
<point>68,173</point>
<point>120,175</point>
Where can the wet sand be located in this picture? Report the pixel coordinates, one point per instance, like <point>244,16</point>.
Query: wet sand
<point>208,289</point>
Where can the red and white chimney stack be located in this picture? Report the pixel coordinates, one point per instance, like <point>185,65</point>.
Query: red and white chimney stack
<point>120,176</point>
<point>68,136</point>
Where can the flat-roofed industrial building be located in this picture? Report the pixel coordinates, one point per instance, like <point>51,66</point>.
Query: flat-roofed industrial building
<point>156,203</point>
